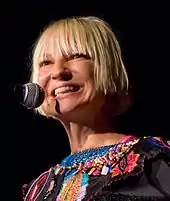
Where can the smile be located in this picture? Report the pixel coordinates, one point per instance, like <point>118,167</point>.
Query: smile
<point>65,89</point>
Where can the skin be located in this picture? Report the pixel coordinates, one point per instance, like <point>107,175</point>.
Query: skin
<point>84,113</point>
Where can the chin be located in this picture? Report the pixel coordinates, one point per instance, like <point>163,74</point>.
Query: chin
<point>66,109</point>
<point>69,112</point>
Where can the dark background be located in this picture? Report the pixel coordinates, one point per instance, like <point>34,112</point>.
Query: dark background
<point>30,143</point>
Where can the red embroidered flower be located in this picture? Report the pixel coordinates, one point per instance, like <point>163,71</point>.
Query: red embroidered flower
<point>122,167</point>
<point>131,161</point>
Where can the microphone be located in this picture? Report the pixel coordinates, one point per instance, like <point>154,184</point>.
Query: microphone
<point>30,95</point>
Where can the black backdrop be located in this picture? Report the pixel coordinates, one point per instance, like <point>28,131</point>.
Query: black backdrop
<point>31,144</point>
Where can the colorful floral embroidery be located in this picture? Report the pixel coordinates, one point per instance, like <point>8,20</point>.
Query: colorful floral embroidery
<point>127,164</point>
<point>104,161</point>
<point>76,177</point>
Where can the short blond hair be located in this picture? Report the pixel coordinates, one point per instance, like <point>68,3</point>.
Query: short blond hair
<point>90,36</point>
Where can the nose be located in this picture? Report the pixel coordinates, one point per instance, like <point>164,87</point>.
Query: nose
<point>62,75</point>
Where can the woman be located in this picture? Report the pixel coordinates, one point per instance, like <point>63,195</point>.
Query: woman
<point>78,63</point>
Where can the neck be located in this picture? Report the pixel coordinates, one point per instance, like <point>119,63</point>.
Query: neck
<point>82,137</point>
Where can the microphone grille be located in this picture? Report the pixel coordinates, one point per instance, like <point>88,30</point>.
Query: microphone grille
<point>34,95</point>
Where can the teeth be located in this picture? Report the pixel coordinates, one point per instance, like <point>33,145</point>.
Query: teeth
<point>63,89</point>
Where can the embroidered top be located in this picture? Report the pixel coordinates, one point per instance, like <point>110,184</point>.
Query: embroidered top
<point>133,169</point>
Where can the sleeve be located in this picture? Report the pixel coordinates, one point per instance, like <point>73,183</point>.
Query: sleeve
<point>160,174</point>
<point>36,187</point>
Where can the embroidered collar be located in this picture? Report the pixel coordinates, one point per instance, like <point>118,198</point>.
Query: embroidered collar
<point>97,161</point>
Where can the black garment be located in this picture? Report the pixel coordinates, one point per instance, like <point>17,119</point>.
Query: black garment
<point>141,173</point>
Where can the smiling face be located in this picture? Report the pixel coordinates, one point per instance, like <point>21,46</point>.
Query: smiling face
<point>68,83</point>
<point>77,61</point>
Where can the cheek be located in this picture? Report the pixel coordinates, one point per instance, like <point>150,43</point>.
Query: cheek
<point>89,93</point>
<point>43,78</point>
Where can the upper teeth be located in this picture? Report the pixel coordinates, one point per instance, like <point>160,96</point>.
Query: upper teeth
<point>63,89</point>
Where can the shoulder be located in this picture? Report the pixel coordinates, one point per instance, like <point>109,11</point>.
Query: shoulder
<point>148,156</point>
<point>137,153</point>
